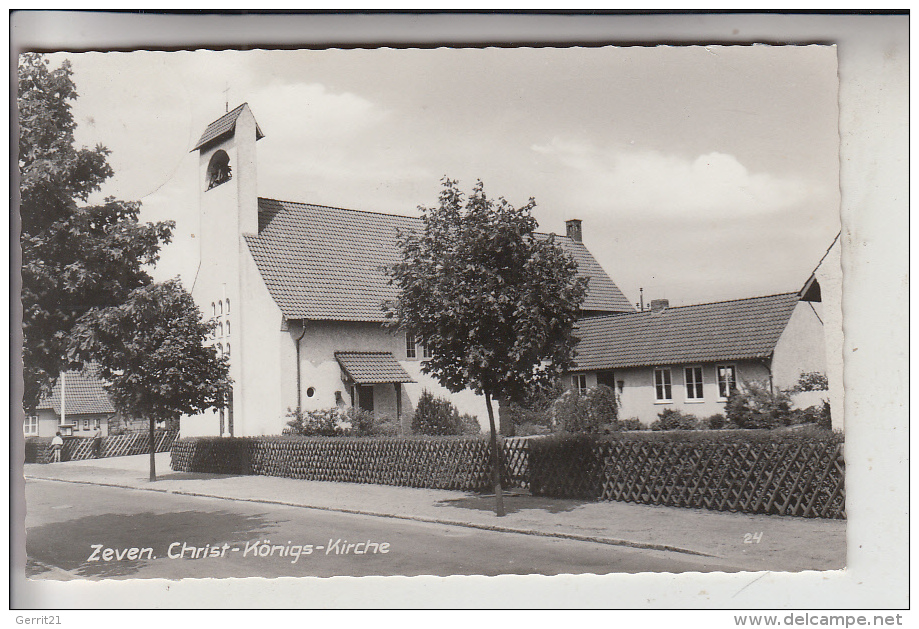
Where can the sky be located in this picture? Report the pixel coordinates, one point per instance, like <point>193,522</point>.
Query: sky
<point>700,173</point>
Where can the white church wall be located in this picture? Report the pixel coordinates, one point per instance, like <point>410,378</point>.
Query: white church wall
<point>800,349</point>
<point>227,276</point>
<point>259,396</point>
<point>321,372</point>
<point>214,281</point>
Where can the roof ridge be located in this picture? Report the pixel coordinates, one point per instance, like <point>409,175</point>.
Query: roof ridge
<point>827,252</point>
<point>376,213</point>
<point>707,303</point>
<point>358,351</point>
<point>343,209</point>
<point>223,125</point>
<point>228,113</point>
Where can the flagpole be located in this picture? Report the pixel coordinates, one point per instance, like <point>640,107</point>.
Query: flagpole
<point>63,398</point>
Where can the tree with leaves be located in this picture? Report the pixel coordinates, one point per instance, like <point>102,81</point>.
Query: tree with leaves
<point>151,353</point>
<point>493,300</point>
<point>86,293</point>
<point>75,259</point>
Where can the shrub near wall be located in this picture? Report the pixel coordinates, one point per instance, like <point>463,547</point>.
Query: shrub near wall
<point>38,450</point>
<point>796,473</point>
<point>213,455</point>
<point>565,466</point>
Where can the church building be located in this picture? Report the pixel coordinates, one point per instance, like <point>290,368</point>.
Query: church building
<point>296,291</point>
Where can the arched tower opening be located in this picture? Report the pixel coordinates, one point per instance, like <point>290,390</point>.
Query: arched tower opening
<point>218,169</point>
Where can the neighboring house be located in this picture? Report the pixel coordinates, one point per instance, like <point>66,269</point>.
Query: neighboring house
<point>296,291</point>
<point>78,404</point>
<point>824,289</point>
<point>690,357</point>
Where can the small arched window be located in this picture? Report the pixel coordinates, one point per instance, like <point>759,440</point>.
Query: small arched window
<point>219,350</point>
<point>228,349</point>
<point>228,306</point>
<point>218,170</point>
<point>228,327</point>
<point>213,309</point>
<point>220,307</point>
<point>220,329</point>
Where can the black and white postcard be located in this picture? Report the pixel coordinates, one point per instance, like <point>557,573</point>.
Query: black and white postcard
<point>459,310</point>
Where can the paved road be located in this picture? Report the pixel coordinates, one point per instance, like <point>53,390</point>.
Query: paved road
<point>88,531</point>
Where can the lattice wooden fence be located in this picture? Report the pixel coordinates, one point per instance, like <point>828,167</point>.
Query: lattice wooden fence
<point>38,450</point>
<point>515,457</point>
<point>785,477</point>
<point>796,477</point>
<point>435,463</point>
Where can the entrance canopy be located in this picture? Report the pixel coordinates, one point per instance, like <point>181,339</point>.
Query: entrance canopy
<point>372,367</point>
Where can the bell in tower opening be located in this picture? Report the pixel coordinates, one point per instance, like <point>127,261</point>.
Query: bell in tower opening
<point>218,170</point>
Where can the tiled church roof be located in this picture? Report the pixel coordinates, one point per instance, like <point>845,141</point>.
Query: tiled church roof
<point>327,263</point>
<point>85,394</point>
<point>726,330</point>
<point>225,125</point>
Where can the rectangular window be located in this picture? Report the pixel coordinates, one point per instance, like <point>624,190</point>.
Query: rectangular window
<point>693,379</point>
<point>410,345</point>
<point>662,385</point>
<point>425,351</point>
<point>579,382</point>
<point>85,424</point>
<point>30,425</point>
<point>727,380</point>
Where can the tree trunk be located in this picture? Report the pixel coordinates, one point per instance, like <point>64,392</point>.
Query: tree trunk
<point>152,450</point>
<point>495,459</point>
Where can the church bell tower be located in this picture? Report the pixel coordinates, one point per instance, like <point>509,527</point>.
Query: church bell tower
<point>228,208</point>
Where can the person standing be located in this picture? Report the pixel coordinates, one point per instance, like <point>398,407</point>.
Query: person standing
<point>57,444</point>
<point>97,442</point>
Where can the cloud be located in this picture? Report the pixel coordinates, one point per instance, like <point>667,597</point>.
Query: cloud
<point>708,186</point>
<point>327,146</point>
<point>318,113</point>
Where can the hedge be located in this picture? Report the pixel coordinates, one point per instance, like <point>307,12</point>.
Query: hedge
<point>461,463</point>
<point>799,473</point>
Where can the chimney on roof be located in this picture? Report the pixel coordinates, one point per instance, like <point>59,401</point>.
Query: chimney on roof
<point>573,229</point>
<point>659,305</point>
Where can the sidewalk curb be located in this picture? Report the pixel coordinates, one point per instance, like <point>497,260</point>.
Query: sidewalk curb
<point>609,541</point>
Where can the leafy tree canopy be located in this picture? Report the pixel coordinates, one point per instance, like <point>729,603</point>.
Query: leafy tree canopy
<point>75,259</point>
<point>493,300</point>
<point>151,352</point>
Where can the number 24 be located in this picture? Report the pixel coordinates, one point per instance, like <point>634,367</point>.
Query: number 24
<point>752,538</point>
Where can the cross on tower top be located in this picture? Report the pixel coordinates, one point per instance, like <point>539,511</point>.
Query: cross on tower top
<point>226,98</point>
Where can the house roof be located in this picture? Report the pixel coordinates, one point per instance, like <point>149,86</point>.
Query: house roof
<point>811,289</point>
<point>726,330</point>
<point>372,367</point>
<point>327,263</point>
<point>85,395</point>
<point>223,126</point>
